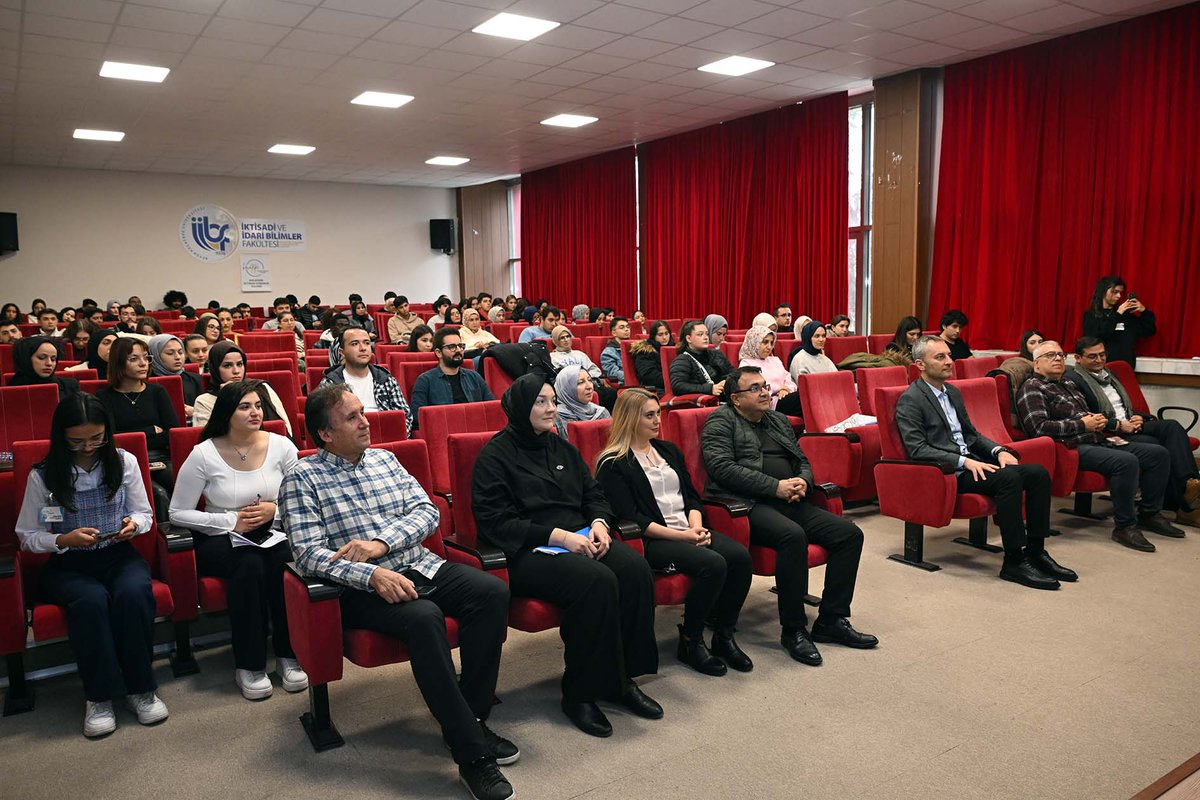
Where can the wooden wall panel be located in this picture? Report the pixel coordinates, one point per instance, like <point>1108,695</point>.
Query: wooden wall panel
<point>484,239</point>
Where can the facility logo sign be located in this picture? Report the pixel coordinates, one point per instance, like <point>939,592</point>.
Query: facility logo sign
<point>209,233</point>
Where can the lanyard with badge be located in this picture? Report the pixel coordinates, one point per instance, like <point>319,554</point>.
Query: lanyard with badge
<point>50,512</point>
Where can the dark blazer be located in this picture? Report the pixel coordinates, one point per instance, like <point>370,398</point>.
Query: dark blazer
<point>1093,404</point>
<point>628,489</point>
<point>925,430</point>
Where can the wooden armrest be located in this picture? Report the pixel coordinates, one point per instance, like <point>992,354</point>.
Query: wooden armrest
<point>318,589</point>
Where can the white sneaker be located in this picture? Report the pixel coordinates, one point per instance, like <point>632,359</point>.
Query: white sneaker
<point>255,684</point>
<point>99,719</point>
<point>148,707</point>
<point>294,678</point>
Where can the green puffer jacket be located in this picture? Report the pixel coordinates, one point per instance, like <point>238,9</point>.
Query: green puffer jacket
<point>733,455</point>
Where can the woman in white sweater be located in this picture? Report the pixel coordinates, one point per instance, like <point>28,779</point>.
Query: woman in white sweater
<point>811,358</point>
<point>237,469</point>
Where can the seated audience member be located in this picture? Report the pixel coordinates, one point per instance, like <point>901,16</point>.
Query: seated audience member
<point>358,313</point>
<point>907,333</point>
<point>484,300</point>
<point>580,312</point>
<point>94,315</point>
<point>135,301</point>
<point>447,383</point>
<point>545,328</point>
<point>288,324</point>
<point>783,317</point>
<point>1049,406</point>
<point>11,312</point>
<point>1118,324</point>
<point>564,354</point>
<point>751,454</point>
<point>810,359</point>
<point>195,347</point>
<point>9,332</point>
<point>510,307</point>
<point>167,358</point>
<point>47,322</point>
<point>593,315</point>
<point>718,329</point>
<point>474,337</point>
<point>454,315</point>
<point>333,323</point>
<point>646,360</point>
<point>225,317</point>
<point>99,502</point>
<point>99,344</point>
<point>575,392</point>
<point>373,385</point>
<point>1030,339</point>
<point>35,360</point>
<point>420,340</point>
<point>227,364</point>
<point>758,350</point>
<point>126,319</point>
<point>440,307</point>
<point>367,537</point>
<point>148,326</point>
<point>389,302</point>
<point>765,320</point>
<point>839,325</point>
<point>35,309</point>
<point>66,316</point>
<point>309,314</point>
<point>952,323</point>
<point>187,312</point>
<point>75,338</point>
<point>237,468</point>
<point>698,369</point>
<point>934,426</point>
<point>647,481</point>
<point>174,300</point>
<point>1105,395</point>
<point>496,314</point>
<point>136,405</point>
<point>245,309</point>
<point>113,311</point>
<point>402,323</point>
<point>531,489</point>
<point>209,327</point>
<point>280,305</point>
<point>639,316</point>
<point>610,356</point>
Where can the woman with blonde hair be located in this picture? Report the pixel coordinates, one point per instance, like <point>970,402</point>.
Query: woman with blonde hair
<point>647,481</point>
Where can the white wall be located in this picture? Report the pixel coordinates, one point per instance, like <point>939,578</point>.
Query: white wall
<point>107,235</point>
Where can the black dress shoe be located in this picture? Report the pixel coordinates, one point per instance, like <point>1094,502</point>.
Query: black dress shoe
<point>726,649</point>
<point>1157,523</point>
<point>800,647</point>
<point>1131,537</point>
<point>1048,566</point>
<point>696,655</point>
<point>588,717</point>
<point>1027,573</point>
<point>841,632</point>
<point>638,702</point>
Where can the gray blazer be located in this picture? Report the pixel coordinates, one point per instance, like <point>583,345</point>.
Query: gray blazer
<point>925,430</point>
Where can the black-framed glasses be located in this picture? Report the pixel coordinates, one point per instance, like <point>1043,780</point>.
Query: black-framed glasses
<point>1057,356</point>
<point>1102,356</point>
<point>755,388</point>
<point>454,347</point>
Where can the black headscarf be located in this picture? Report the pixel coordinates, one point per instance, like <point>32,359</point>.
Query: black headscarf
<point>517,403</point>
<point>216,354</point>
<point>25,375</point>
<point>806,334</point>
<point>93,360</point>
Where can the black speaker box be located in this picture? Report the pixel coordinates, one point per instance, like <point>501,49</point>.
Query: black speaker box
<point>8,232</point>
<point>441,235</point>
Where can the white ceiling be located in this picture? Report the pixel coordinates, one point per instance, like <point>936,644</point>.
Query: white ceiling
<point>246,74</point>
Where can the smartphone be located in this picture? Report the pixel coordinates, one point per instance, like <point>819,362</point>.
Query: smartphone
<point>109,535</point>
<point>1133,297</point>
<point>423,585</point>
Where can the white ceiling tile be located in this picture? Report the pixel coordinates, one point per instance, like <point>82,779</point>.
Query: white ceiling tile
<point>981,38</point>
<point>619,19</point>
<point>91,10</point>
<point>477,44</point>
<point>1051,19</point>
<point>594,62</point>
<point>411,33</point>
<point>51,45</point>
<point>341,22</point>
<point>935,28</point>
<point>827,60</point>
<point>446,15</point>
<point>285,56</point>
<point>784,22</point>
<point>948,5</point>
<point>733,42</point>
<point>680,31</point>
<point>634,47</point>
<point>161,19</point>
<point>223,49</point>
<point>461,62</point>
<point>647,71</point>
<point>880,44</point>
<point>893,14</point>
<point>928,54</point>
<point>686,57</point>
<point>834,9</point>
<point>504,68</point>
<point>662,6</point>
<point>833,34</point>
<point>1000,10</point>
<point>67,28</point>
<point>388,51</point>
<point>577,37</point>
<point>242,31</point>
<point>320,42</point>
<point>389,9</point>
<point>562,77</point>
<point>725,13</point>
<point>557,10</point>
<point>782,51</point>
<point>273,12</point>
<point>151,40</point>
<point>534,53</point>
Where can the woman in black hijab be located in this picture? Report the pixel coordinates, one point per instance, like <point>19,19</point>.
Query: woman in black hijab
<point>531,490</point>
<point>35,360</point>
<point>98,347</point>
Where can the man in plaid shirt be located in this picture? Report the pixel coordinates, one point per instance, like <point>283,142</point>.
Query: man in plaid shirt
<point>356,517</point>
<point>1049,406</point>
<point>372,384</point>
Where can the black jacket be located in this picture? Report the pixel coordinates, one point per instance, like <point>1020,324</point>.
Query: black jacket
<point>1119,344</point>
<point>733,454</point>
<point>648,365</point>
<point>520,495</point>
<point>688,378</point>
<point>625,484</point>
<point>925,430</point>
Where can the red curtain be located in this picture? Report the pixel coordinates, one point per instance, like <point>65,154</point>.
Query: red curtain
<point>1065,161</point>
<point>579,232</point>
<point>741,216</point>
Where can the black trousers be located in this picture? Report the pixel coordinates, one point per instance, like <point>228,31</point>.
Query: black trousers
<point>110,617</point>
<point>788,528</point>
<point>255,592</point>
<point>1171,435</point>
<point>1009,487</point>
<point>790,405</point>
<point>1128,468</point>
<point>479,602</point>
<point>720,574</point>
<point>607,615</point>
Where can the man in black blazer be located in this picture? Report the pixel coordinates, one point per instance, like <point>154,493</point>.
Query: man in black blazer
<point>933,424</point>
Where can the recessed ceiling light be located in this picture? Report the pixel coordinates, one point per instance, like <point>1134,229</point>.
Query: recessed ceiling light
<point>291,149</point>
<point>382,99</point>
<point>570,120</point>
<point>736,66</point>
<point>133,72</point>
<point>447,161</point>
<point>514,26</point>
<point>99,136</point>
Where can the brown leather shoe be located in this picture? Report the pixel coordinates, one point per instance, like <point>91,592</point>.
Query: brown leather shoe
<point>1191,494</point>
<point>1157,523</point>
<point>1188,518</point>
<point>1131,537</point>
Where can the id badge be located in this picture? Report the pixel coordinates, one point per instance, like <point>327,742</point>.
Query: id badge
<point>1120,326</point>
<point>47,514</point>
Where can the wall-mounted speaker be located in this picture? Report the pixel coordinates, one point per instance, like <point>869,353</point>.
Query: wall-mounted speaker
<point>441,235</point>
<point>8,232</point>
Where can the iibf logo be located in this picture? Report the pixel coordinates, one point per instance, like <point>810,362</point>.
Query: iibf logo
<point>210,233</point>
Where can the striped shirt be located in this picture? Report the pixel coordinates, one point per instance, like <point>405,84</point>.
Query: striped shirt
<point>327,501</point>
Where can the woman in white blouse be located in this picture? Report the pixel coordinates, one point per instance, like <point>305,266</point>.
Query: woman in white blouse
<point>237,469</point>
<point>82,505</point>
<point>473,335</point>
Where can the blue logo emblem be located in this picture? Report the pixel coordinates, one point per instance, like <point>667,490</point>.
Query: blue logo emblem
<point>209,233</point>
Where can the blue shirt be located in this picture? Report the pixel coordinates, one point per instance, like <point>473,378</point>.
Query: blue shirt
<point>534,332</point>
<point>610,363</point>
<point>432,388</point>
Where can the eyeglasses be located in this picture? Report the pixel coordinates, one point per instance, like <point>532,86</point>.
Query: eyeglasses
<point>75,445</point>
<point>454,347</point>
<point>1095,356</point>
<point>755,388</point>
<point>1059,356</point>
<point>137,360</point>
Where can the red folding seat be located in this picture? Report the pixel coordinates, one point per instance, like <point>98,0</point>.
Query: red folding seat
<point>631,378</point>
<point>172,568</point>
<point>496,378</point>
<point>259,364</point>
<point>1125,374</point>
<point>267,342</point>
<point>29,328</point>
<point>6,359</point>
<point>310,338</point>
<point>387,426</point>
<point>500,329</point>
<point>974,367</point>
<point>178,327</point>
<point>845,459</point>
<point>381,318</point>
<point>411,370</point>
<point>174,386</point>
<point>671,400</point>
<point>878,342</point>
<point>25,414</point>
<point>871,378</point>
<point>384,350</point>
<point>315,620</point>
<point>437,423</point>
<point>313,377</point>
<point>838,347</point>
<point>732,349</point>
<point>286,384</point>
<point>921,492</point>
<point>981,396</point>
<point>593,346</point>
<point>317,357</point>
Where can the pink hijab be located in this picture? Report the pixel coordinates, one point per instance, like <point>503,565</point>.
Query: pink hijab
<point>754,337</point>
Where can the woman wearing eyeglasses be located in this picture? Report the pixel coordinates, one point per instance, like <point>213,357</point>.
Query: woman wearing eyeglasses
<point>136,405</point>
<point>82,505</point>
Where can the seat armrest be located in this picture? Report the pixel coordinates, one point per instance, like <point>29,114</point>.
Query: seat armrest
<point>8,565</point>
<point>849,436</point>
<point>732,506</point>
<point>444,495</point>
<point>1195,415</point>
<point>945,469</point>
<point>318,589</point>
<point>12,605</point>
<point>177,539</point>
<point>489,558</point>
<point>628,530</point>
<point>828,489</point>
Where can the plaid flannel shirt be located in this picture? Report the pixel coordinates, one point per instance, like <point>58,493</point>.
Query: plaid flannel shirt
<point>327,501</point>
<point>1053,408</point>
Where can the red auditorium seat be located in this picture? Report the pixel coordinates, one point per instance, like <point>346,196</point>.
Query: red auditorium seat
<point>173,575</point>
<point>316,357</point>
<point>838,347</point>
<point>877,342</point>
<point>921,492</point>
<point>411,370</point>
<point>671,400</point>
<point>631,378</point>
<point>845,459</point>
<point>437,423</point>
<point>871,378</point>
<point>310,338</point>
<point>496,378</point>
<point>174,386</point>
<point>267,342</point>
<point>6,359</point>
<point>25,414</point>
<point>259,364</point>
<point>286,384</point>
<point>975,367</point>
